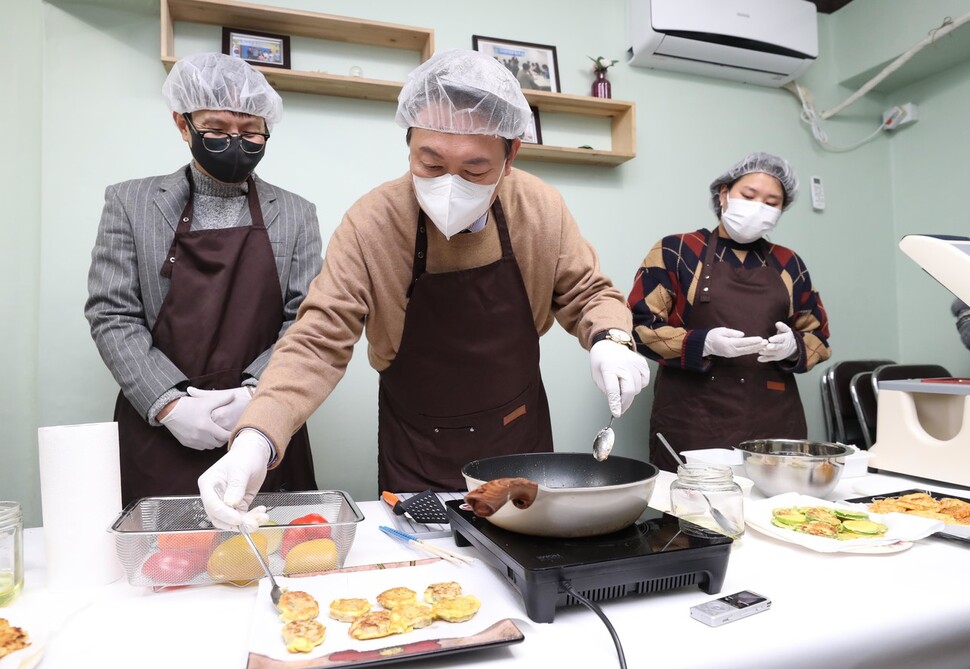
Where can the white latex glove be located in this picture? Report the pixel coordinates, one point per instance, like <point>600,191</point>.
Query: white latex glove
<point>619,373</point>
<point>780,346</point>
<point>228,487</point>
<point>728,343</point>
<point>234,400</point>
<point>190,420</point>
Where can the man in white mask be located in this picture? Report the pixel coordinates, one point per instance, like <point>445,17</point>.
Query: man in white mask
<point>730,317</point>
<point>453,271</point>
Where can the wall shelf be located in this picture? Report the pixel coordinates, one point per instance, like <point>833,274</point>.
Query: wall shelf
<point>264,18</point>
<point>622,117</point>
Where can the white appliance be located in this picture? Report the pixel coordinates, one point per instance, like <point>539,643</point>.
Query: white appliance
<point>763,42</point>
<point>923,425</point>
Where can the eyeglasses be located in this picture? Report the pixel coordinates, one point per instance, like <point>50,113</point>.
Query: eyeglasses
<point>217,141</point>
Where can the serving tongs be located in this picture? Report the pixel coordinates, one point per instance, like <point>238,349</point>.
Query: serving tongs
<point>277,591</point>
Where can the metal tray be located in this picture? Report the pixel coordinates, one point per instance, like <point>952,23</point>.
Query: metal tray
<point>959,533</point>
<point>179,525</point>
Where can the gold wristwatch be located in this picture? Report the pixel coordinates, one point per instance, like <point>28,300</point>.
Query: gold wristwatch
<point>615,335</point>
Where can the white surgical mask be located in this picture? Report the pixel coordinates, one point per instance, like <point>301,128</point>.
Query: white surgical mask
<point>749,220</point>
<point>452,203</point>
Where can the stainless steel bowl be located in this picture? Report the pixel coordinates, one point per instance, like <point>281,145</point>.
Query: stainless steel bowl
<point>778,466</point>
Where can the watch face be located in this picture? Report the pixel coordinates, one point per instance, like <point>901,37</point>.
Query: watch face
<point>620,336</point>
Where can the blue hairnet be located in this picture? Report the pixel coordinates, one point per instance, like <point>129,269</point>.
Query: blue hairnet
<point>464,92</point>
<point>757,162</point>
<point>220,82</point>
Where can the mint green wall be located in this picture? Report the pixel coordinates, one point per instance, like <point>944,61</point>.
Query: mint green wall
<point>929,179</point>
<point>21,28</point>
<point>101,73</point>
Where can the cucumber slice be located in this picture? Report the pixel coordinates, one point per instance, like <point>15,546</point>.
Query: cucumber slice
<point>867,527</point>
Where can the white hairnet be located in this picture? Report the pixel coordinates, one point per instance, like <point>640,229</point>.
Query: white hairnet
<point>463,92</point>
<point>757,162</point>
<point>220,82</point>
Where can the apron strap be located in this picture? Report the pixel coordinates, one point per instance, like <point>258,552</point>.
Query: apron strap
<point>185,219</point>
<point>710,253</point>
<point>420,263</point>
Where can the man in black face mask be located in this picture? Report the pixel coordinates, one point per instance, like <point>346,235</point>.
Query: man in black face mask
<point>194,277</point>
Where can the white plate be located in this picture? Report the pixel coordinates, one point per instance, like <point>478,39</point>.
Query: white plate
<point>903,529</point>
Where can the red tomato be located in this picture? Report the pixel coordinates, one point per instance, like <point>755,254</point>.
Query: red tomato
<point>174,566</point>
<point>294,536</point>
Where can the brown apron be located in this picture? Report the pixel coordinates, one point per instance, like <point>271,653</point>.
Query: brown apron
<point>222,310</point>
<point>737,398</point>
<point>465,383</point>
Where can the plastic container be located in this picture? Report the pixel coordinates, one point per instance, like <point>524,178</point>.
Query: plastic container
<point>699,489</point>
<point>166,541</point>
<point>11,552</point>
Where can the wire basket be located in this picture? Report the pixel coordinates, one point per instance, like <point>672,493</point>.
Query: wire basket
<point>167,541</point>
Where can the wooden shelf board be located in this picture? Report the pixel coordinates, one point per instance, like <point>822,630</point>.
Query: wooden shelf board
<point>562,154</point>
<point>320,83</point>
<point>263,18</point>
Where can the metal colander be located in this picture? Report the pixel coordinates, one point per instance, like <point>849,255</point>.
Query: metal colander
<point>167,541</point>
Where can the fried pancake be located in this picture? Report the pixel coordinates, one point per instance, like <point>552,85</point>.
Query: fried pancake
<point>410,616</point>
<point>438,591</point>
<point>347,610</point>
<point>457,609</point>
<point>821,514</point>
<point>297,605</point>
<point>949,510</point>
<point>12,638</point>
<point>371,625</point>
<point>302,636</point>
<point>818,528</point>
<point>389,599</point>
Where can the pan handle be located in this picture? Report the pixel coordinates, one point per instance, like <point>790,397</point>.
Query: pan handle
<point>489,497</point>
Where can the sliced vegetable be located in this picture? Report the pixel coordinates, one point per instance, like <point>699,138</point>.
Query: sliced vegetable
<point>841,524</point>
<point>867,527</point>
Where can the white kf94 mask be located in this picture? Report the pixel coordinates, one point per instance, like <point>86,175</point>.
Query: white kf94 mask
<point>452,203</point>
<point>748,220</point>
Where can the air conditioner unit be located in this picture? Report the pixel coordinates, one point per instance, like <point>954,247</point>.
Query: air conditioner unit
<point>763,42</point>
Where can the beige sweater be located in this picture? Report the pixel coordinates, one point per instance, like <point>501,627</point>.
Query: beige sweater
<point>367,270</point>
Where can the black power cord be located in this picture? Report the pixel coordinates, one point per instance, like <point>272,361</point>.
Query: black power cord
<point>567,586</point>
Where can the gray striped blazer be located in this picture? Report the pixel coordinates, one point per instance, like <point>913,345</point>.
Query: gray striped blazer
<point>125,289</point>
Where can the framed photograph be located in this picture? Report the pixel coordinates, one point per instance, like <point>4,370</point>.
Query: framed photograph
<point>533,135</point>
<point>534,65</point>
<point>257,48</point>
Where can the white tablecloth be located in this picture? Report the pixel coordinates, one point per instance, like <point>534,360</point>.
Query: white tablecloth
<point>907,609</point>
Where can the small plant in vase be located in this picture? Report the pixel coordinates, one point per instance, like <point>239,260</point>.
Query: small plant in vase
<point>601,85</point>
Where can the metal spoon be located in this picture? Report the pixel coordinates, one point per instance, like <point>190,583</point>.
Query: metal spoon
<point>276,592</point>
<point>719,517</point>
<point>603,442</point>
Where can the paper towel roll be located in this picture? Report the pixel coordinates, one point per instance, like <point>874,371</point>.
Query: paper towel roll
<point>80,490</point>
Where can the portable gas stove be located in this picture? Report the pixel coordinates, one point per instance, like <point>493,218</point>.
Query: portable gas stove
<point>658,552</point>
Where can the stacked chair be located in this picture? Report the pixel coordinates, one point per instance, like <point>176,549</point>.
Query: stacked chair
<point>842,420</point>
<point>850,390</point>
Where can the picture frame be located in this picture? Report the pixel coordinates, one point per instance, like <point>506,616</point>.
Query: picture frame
<point>263,49</point>
<point>534,65</point>
<point>533,133</point>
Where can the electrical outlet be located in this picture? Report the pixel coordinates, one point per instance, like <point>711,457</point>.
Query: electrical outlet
<point>895,117</point>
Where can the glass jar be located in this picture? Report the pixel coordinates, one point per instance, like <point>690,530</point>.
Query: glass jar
<point>707,495</point>
<point>11,552</point>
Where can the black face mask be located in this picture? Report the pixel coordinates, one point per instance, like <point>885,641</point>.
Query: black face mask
<point>231,166</point>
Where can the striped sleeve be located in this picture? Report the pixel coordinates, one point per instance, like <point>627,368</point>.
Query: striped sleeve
<point>661,300</point>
